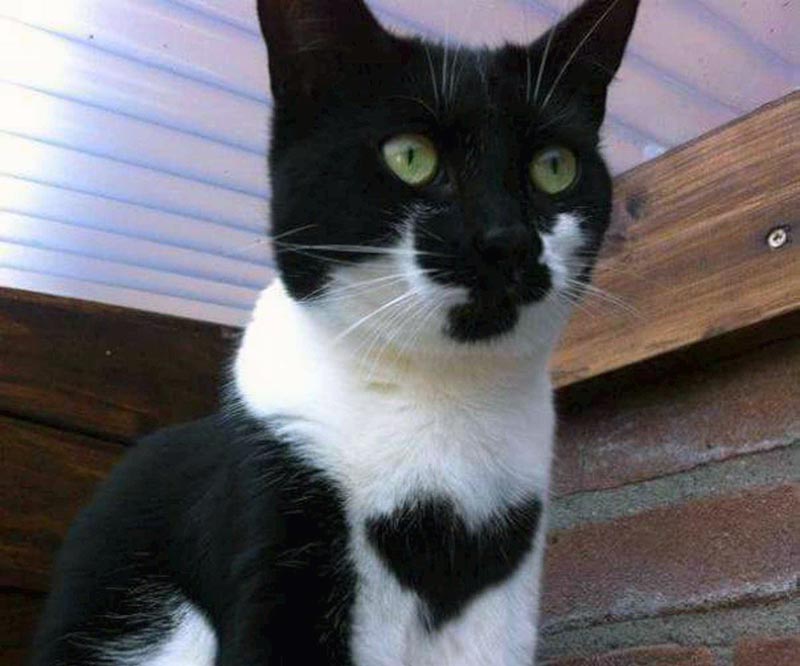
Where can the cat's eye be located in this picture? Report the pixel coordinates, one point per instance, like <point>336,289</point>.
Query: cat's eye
<point>412,158</point>
<point>553,169</point>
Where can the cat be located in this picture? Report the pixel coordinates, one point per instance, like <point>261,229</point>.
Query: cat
<point>374,491</point>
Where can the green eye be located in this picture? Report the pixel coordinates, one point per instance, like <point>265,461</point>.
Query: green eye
<point>554,169</point>
<point>412,158</point>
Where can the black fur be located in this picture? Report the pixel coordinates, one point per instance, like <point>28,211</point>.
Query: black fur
<point>432,552</point>
<point>224,515</point>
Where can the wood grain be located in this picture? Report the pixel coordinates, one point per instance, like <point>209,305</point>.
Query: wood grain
<point>19,611</point>
<point>687,246</point>
<point>46,476</point>
<point>104,370</point>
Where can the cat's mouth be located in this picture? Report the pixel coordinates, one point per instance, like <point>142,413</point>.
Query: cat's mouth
<point>472,321</point>
<point>493,302</point>
<point>492,312</point>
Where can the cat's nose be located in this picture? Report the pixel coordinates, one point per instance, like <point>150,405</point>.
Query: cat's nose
<point>504,247</point>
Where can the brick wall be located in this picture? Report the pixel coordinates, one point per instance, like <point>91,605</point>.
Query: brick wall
<point>675,530</point>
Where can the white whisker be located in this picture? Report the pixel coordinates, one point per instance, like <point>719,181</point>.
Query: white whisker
<point>363,320</point>
<point>576,50</point>
<point>360,249</point>
<point>433,76</point>
<point>355,290</point>
<point>543,62</point>
<point>290,232</point>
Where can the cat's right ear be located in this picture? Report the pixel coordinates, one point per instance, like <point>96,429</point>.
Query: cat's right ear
<point>310,42</point>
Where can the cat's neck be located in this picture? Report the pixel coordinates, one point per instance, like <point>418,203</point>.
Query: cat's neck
<point>475,429</point>
<point>289,357</point>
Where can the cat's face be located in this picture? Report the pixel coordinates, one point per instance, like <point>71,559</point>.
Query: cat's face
<point>433,197</point>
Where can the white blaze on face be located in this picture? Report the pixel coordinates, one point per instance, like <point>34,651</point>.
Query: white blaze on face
<point>560,247</point>
<point>422,282</point>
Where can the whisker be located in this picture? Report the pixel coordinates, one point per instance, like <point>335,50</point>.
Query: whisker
<point>361,249</point>
<point>265,239</point>
<point>423,320</point>
<point>317,257</point>
<point>542,63</point>
<point>419,101</point>
<point>240,251</point>
<point>433,75</point>
<point>399,299</point>
<point>354,290</point>
<point>429,233</point>
<point>290,232</point>
<point>455,75</point>
<point>572,301</point>
<point>615,300</point>
<point>394,325</point>
<point>576,50</point>
<point>444,59</point>
<point>581,289</point>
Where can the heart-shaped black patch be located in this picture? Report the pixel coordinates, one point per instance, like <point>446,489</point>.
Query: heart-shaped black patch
<point>429,548</point>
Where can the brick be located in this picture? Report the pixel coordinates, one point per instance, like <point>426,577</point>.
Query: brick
<point>662,655</point>
<point>768,652</point>
<point>697,555</point>
<point>615,435</point>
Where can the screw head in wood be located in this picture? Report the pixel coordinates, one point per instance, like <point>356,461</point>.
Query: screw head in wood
<point>777,238</point>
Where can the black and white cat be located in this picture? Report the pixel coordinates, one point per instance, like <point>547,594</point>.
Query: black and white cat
<point>373,494</point>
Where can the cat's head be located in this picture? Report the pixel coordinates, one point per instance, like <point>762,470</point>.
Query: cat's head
<point>436,197</point>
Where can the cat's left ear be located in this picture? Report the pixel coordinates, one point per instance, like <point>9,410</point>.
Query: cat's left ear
<point>310,42</point>
<point>585,50</point>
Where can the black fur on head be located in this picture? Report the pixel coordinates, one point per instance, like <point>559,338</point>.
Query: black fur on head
<point>478,235</point>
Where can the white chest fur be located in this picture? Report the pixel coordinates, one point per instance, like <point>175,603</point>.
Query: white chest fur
<point>475,429</point>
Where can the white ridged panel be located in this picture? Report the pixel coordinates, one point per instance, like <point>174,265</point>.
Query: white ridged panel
<point>770,24</point>
<point>99,212</point>
<point>58,263</point>
<point>59,236</point>
<point>123,296</point>
<point>75,70</point>
<point>159,33</point>
<point>241,13</point>
<point>90,129</point>
<point>46,163</point>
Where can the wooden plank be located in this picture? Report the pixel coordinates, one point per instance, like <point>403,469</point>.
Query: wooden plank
<point>19,612</point>
<point>46,476</point>
<point>687,246</point>
<point>105,370</point>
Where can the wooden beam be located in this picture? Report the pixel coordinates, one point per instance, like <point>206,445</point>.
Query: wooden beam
<point>46,476</point>
<point>688,249</point>
<point>19,613</point>
<point>107,371</point>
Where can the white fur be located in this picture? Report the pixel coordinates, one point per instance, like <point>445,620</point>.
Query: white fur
<point>192,643</point>
<point>377,395</point>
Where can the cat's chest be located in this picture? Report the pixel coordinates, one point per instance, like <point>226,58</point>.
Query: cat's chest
<point>389,450</point>
<point>433,590</point>
<point>444,511</point>
<point>429,549</point>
